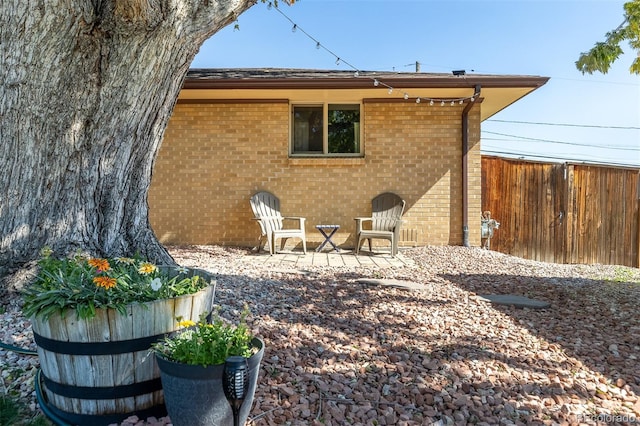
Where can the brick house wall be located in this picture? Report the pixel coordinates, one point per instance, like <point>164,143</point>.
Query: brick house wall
<point>215,155</point>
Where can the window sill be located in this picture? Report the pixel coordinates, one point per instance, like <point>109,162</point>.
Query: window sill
<point>326,161</point>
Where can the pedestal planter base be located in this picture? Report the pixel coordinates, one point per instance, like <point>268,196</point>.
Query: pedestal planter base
<point>194,396</point>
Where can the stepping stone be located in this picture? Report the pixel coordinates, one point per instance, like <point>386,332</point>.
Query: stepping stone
<point>392,283</point>
<point>291,271</point>
<point>514,300</point>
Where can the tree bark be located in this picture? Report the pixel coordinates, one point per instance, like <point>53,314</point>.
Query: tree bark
<point>86,90</point>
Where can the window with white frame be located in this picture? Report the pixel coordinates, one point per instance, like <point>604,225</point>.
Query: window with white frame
<point>325,129</point>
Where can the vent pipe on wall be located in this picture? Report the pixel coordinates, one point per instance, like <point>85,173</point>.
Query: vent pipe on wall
<point>465,166</point>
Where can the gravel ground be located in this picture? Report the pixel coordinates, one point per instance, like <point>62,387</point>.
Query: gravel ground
<point>341,352</point>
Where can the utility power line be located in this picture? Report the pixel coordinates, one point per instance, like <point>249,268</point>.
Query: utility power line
<point>559,157</point>
<point>558,142</point>
<point>586,145</point>
<point>591,126</point>
<point>579,80</point>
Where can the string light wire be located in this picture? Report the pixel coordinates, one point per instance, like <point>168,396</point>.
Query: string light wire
<point>376,81</point>
<point>318,44</point>
<point>428,100</point>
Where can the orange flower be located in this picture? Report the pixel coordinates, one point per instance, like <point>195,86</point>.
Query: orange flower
<point>147,268</point>
<point>99,264</point>
<point>105,282</point>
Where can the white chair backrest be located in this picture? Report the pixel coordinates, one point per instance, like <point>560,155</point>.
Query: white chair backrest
<point>266,208</point>
<point>386,211</point>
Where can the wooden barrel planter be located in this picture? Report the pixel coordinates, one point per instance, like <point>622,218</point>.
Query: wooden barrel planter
<point>100,370</point>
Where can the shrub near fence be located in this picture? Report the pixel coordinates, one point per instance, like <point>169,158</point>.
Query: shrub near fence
<point>563,213</point>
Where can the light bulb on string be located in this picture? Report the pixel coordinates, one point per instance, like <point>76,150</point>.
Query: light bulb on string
<point>376,82</point>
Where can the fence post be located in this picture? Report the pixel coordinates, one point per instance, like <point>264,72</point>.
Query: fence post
<point>638,221</point>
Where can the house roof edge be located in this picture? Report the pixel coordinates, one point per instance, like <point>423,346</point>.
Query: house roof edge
<point>288,78</point>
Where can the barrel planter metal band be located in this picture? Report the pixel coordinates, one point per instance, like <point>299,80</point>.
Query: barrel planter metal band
<point>96,348</point>
<point>100,370</point>
<point>83,392</point>
<point>109,392</point>
<point>105,419</point>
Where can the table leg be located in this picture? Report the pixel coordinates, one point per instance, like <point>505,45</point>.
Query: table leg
<point>327,239</point>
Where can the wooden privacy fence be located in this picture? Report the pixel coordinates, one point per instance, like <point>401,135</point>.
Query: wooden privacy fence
<point>563,213</point>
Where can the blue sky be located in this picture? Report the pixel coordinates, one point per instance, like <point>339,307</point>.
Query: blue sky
<point>579,118</point>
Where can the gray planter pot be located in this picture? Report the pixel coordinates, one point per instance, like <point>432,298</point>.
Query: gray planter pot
<point>194,396</point>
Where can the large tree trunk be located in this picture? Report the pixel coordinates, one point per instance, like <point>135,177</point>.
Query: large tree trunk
<point>86,90</point>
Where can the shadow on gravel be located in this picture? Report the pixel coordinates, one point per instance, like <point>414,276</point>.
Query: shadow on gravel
<point>340,351</point>
<point>593,321</point>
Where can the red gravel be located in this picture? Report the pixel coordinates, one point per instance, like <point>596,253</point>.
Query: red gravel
<point>340,352</point>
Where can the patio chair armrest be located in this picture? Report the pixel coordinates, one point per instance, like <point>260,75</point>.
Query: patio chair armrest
<point>299,219</point>
<point>360,221</point>
<point>294,218</point>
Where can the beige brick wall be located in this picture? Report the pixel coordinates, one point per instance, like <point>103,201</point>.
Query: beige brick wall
<point>216,155</point>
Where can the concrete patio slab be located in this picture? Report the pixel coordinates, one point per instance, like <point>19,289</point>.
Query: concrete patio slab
<point>292,260</point>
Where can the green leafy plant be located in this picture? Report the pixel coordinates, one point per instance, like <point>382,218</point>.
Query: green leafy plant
<point>9,411</point>
<point>624,275</point>
<point>205,343</point>
<point>84,284</point>
<point>605,53</point>
<point>15,412</point>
